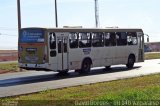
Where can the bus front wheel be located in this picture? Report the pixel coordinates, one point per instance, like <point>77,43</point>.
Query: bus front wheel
<point>107,67</point>
<point>131,61</point>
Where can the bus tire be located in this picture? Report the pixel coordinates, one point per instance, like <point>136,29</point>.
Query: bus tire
<point>131,61</point>
<point>86,66</point>
<point>63,72</point>
<point>107,67</point>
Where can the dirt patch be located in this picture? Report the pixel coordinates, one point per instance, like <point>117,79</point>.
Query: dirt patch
<point>4,71</point>
<point>8,51</point>
<point>8,55</point>
<point>8,58</point>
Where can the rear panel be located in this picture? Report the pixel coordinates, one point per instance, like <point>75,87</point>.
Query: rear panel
<point>32,48</point>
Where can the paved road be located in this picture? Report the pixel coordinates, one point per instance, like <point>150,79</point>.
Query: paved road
<point>29,82</point>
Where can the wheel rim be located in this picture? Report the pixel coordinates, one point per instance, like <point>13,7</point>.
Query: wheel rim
<point>130,61</point>
<point>86,67</point>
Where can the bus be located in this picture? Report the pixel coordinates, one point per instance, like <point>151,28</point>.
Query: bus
<point>79,49</point>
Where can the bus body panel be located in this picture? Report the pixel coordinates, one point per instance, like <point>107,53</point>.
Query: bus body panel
<point>76,57</point>
<point>32,49</point>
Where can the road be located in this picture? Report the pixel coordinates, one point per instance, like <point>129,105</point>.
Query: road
<point>30,82</point>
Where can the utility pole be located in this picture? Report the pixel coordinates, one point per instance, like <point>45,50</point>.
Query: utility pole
<point>147,37</point>
<point>56,16</point>
<point>96,14</point>
<point>19,21</point>
<point>19,16</point>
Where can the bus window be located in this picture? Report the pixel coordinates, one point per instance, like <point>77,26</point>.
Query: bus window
<point>121,38</point>
<point>132,38</point>
<point>65,45</point>
<point>107,39</point>
<point>84,40</point>
<point>53,53</point>
<point>52,40</point>
<point>59,45</point>
<point>113,39</point>
<point>73,40</point>
<point>62,45</point>
<point>97,39</point>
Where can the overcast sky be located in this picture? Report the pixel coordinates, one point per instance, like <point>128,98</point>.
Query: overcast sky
<point>40,13</point>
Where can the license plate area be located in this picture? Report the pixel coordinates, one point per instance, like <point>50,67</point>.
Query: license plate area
<point>31,49</point>
<point>31,65</point>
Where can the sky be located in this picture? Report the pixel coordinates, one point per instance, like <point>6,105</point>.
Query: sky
<point>40,13</point>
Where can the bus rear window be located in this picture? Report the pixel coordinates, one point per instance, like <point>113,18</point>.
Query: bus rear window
<point>31,36</point>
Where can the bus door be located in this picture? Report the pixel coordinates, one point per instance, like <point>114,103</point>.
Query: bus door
<point>52,51</point>
<point>141,47</point>
<point>62,43</point>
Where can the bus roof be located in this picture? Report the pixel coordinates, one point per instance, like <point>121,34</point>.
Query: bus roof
<point>89,29</point>
<point>94,30</point>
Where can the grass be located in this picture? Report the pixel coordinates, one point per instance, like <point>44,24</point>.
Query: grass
<point>152,56</point>
<point>141,88</point>
<point>11,67</point>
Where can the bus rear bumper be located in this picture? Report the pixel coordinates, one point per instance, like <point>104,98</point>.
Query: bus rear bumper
<point>33,66</point>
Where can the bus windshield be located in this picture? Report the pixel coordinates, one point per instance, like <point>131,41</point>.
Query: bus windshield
<point>31,36</point>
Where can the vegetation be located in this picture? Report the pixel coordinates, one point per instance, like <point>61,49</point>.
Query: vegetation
<point>141,88</point>
<point>11,67</point>
<point>152,56</point>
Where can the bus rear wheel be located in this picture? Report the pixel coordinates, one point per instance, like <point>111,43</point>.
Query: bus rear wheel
<point>131,61</point>
<point>63,72</point>
<point>86,66</point>
<point>107,67</point>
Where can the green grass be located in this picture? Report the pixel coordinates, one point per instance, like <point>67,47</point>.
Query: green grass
<point>9,67</point>
<point>152,56</point>
<point>141,88</point>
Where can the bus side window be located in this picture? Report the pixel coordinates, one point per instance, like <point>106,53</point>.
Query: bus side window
<point>97,39</point>
<point>52,40</point>
<point>73,40</point>
<point>107,39</point>
<point>113,39</point>
<point>121,38</point>
<point>132,38</point>
<point>65,45</point>
<point>59,46</point>
<point>84,40</point>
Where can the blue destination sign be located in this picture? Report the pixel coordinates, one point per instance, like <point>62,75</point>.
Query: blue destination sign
<point>31,36</point>
<point>87,51</point>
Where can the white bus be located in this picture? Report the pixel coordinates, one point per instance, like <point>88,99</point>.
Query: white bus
<point>80,49</point>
